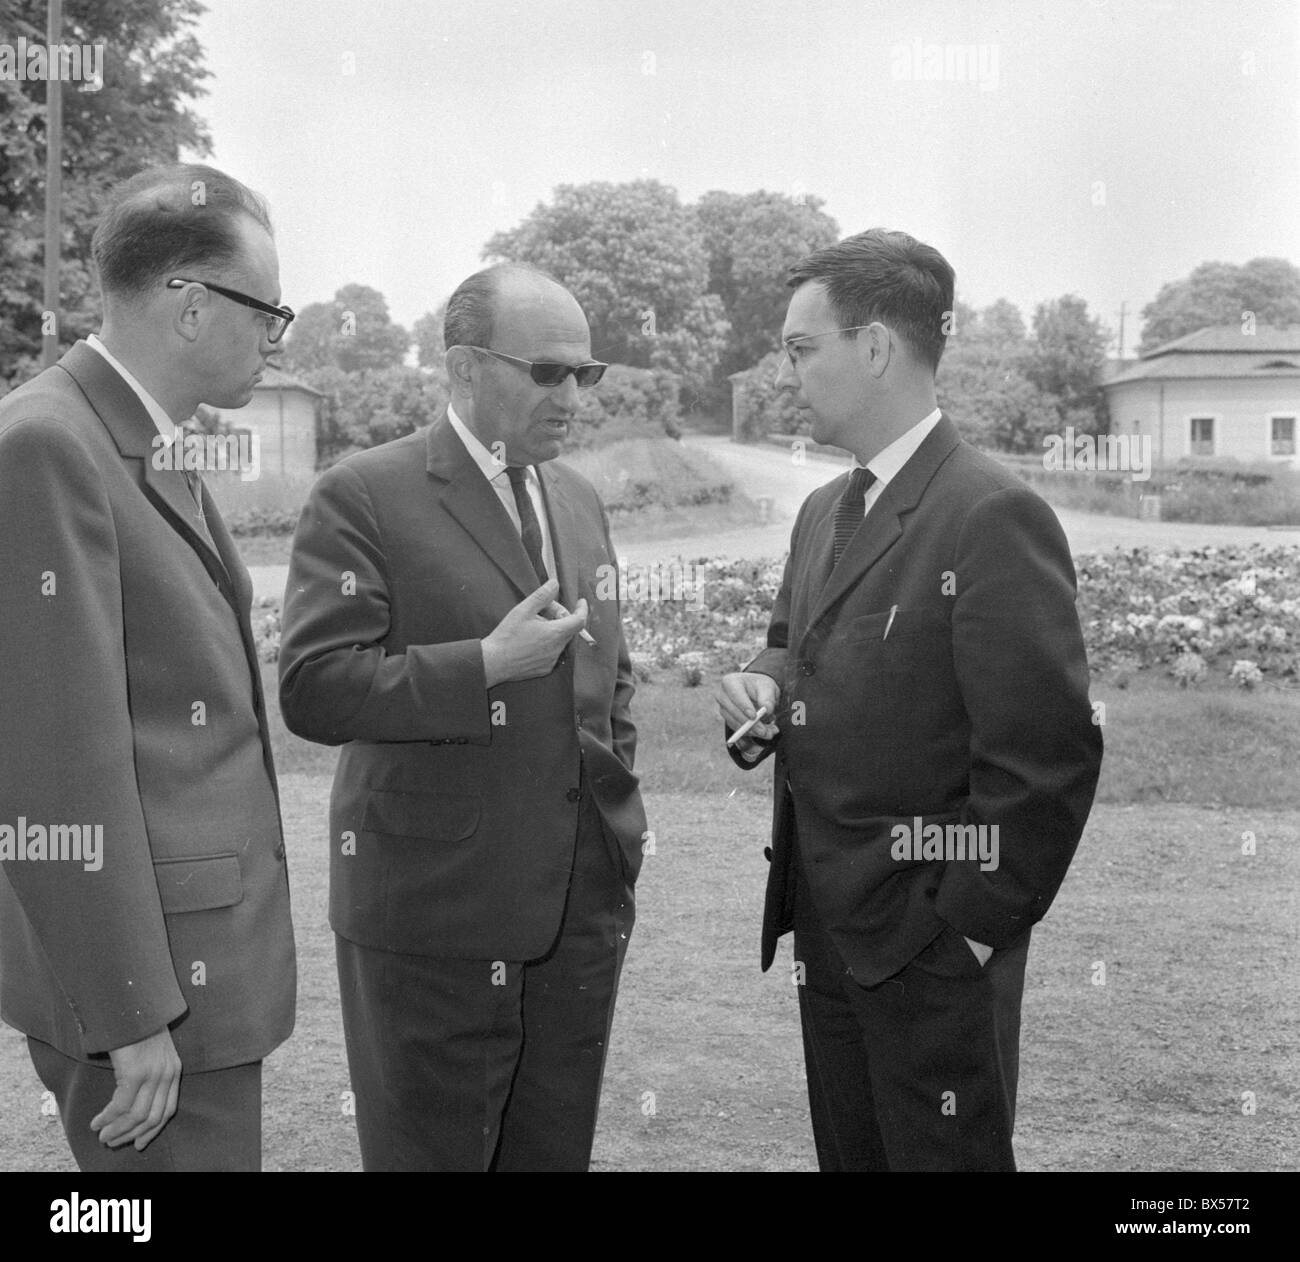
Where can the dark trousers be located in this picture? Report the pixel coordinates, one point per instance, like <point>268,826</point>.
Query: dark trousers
<point>491,1065</point>
<point>918,1072</point>
<point>217,1125</point>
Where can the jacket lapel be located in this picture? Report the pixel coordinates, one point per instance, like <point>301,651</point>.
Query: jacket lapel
<point>884,524</point>
<point>133,430</point>
<point>468,497</point>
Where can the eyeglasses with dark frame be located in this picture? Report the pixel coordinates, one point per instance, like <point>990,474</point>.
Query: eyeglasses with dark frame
<point>284,316</point>
<point>790,342</point>
<point>547,373</point>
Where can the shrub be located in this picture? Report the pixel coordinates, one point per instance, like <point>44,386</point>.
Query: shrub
<point>762,408</point>
<point>628,403</point>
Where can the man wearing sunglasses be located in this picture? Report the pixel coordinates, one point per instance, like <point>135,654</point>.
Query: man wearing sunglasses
<point>146,948</point>
<point>485,826</point>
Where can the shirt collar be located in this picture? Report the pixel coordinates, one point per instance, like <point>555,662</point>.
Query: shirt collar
<point>492,468</point>
<point>166,426</point>
<point>887,464</point>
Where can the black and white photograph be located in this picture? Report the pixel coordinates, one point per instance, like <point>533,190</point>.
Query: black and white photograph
<point>598,586</point>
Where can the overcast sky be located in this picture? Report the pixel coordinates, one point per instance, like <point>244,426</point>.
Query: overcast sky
<point>1102,147</point>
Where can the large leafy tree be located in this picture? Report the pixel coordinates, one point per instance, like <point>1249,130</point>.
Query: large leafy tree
<point>353,333</point>
<point>751,239</point>
<point>427,335</point>
<point>1066,358</point>
<point>140,116</point>
<point>635,259</point>
<point>983,383</point>
<point>1223,293</point>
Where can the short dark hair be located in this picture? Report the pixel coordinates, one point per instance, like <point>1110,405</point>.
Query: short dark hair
<point>468,318</point>
<point>889,277</point>
<point>170,219</point>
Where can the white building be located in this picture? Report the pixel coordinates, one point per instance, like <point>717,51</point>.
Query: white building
<point>1218,392</point>
<point>282,413</point>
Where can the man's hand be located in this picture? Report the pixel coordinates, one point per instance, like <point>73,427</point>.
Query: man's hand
<point>982,952</point>
<point>525,643</point>
<point>148,1075</point>
<point>740,696</point>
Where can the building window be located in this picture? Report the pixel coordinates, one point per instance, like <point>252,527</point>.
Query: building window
<point>1202,435</point>
<point>1283,436</point>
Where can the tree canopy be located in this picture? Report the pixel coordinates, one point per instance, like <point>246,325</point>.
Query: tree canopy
<point>140,116</point>
<point>635,258</point>
<point>353,333</point>
<point>1268,289</point>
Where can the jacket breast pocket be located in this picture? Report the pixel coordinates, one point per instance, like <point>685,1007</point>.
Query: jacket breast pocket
<point>422,816</point>
<point>900,624</point>
<point>199,884</point>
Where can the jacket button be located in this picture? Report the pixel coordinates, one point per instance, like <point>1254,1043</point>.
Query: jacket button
<point>279,851</point>
<point>767,853</point>
<point>807,668</point>
<point>573,795</point>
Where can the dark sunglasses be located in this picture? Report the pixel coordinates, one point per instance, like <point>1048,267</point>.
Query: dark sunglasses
<point>283,316</point>
<point>546,373</point>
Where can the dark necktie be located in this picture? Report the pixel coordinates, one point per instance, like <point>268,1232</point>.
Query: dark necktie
<point>851,508</point>
<point>529,526</point>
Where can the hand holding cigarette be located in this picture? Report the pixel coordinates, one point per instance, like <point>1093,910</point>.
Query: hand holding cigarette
<point>557,610</point>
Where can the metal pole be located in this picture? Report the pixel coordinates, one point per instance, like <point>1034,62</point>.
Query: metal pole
<point>53,185</point>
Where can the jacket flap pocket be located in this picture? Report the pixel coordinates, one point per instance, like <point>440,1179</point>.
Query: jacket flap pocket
<point>429,816</point>
<point>198,884</point>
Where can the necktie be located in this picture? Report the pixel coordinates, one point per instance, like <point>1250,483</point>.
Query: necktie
<point>851,508</point>
<point>529,526</point>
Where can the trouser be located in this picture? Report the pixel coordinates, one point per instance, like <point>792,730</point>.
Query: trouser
<point>918,1072</point>
<point>491,1065</point>
<point>217,1125</point>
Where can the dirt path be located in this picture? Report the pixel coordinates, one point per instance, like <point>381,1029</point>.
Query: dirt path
<point>768,472</point>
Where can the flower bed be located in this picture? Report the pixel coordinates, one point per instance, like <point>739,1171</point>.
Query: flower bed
<point>1231,612</point>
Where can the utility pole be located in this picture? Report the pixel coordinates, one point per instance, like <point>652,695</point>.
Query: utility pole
<point>53,184</point>
<point>1123,310</point>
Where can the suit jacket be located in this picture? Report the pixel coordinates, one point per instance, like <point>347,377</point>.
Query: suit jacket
<point>971,710</point>
<point>131,701</point>
<point>455,808</point>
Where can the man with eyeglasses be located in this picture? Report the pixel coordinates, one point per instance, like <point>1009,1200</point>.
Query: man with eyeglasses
<point>146,948</point>
<point>485,828</point>
<point>925,692</point>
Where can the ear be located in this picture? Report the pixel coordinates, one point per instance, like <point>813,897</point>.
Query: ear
<point>878,345</point>
<point>461,364</point>
<point>188,318</point>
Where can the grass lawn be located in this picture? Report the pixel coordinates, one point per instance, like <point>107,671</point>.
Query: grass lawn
<point>1145,1071</point>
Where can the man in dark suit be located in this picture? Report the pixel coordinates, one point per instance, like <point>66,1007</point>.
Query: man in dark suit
<point>485,826</point>
<point>926,697</point>
<point>145,942</point>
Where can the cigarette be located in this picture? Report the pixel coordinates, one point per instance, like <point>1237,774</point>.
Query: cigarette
<point>744,727</point>
<point>893,610</point>
<point>561,612</point>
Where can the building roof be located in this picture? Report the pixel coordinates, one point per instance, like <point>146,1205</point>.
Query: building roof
<point>1217,352</point>
<point>278,379</point>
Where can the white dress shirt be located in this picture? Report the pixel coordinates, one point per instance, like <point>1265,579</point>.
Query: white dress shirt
<point>887,464</point>
<point>495,472</point>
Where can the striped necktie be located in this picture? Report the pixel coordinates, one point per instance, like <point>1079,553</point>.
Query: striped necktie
<point>851,508</point>
<point>529,526</point>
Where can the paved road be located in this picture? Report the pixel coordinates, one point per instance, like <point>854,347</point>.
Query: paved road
<point>765,471</point>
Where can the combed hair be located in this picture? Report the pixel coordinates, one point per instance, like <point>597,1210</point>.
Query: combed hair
<point>468,319</point>
<point>888,277</point>
<point>171,220</point>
